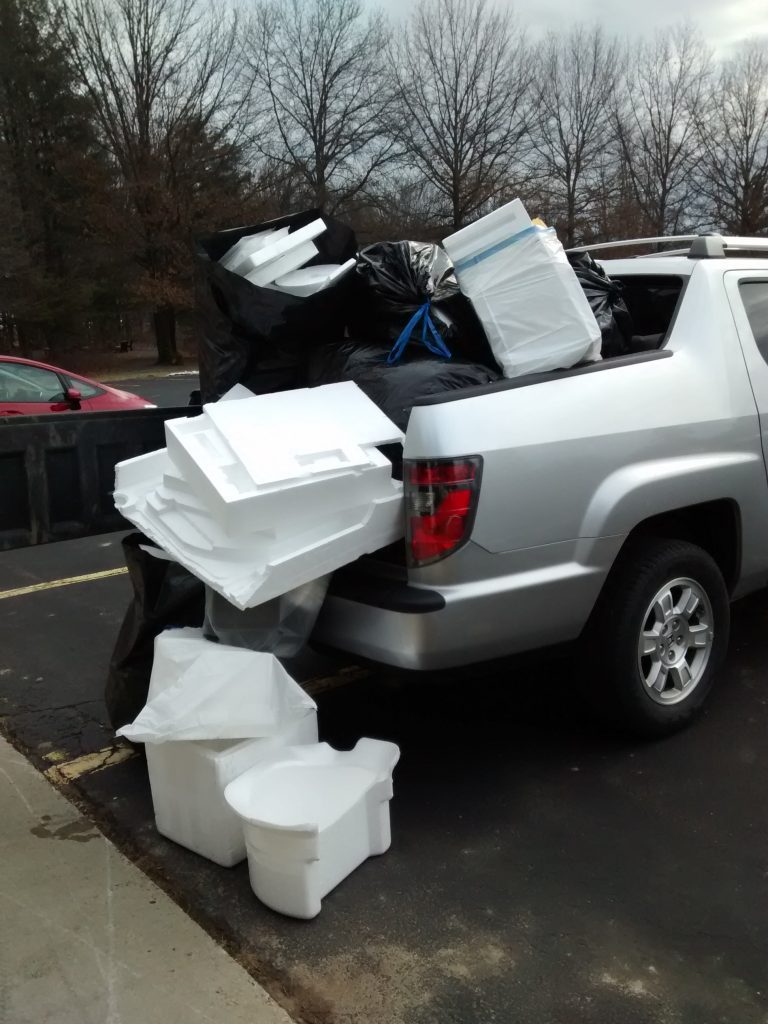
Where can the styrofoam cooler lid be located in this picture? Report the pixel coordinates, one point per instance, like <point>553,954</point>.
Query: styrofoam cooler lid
<point>490,230</point>
<point>310,280</point>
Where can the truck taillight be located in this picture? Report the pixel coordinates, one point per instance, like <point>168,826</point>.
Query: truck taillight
<point>440,501</point>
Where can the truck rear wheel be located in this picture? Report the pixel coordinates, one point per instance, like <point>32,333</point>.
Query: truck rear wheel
<point>658,636</point>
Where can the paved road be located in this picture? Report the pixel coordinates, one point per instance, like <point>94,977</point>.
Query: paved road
<point>540,870</point>
<point>163,391</point>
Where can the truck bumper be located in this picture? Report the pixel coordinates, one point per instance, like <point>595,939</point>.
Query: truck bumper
<point>415,627</point>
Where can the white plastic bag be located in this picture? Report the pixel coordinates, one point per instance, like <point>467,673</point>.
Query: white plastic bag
<point>530,303</point>
<point>281,626</point>
<point>201,690</point>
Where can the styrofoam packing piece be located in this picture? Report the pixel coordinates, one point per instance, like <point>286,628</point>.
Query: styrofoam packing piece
<point>196,525</point>
<point>264,275</point>
<point>203,691</point>
<point>250,446</point>
<point>274,250</point>
<point>188,779</point>
<point>236,256</point>
<point>135,473</point>
<point>249,573</point>
<point>156,481</point>
<point>296,416</point>
<point>255,577</point>
<point>241,459</point>
<point>311,280</point>
<point>236,393</point>
<point>282,511</point>
<point>526,295</point>
<point>254,559</point>
<point>311,815</point>
<point>250,559</point>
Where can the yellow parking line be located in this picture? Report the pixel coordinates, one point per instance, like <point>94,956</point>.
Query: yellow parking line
<point>350,674</point>
<point>67,771</point>
<point>52,584</point>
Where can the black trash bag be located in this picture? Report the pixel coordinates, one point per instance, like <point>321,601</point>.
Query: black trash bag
<point>259,337</point>
<point>396,389</point>
<point>333,363</point>
<point>393,280</point>
<point>605,298</point>
<point>164,594</point>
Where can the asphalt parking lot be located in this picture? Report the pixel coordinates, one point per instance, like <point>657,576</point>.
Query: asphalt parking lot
<point>169,391</point>
<point>541,871</point>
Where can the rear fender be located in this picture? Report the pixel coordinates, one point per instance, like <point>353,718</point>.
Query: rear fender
<point>634,493</point>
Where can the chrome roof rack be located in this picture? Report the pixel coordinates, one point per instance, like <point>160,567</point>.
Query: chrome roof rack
<point>701,246</point>
<point>626,242</point>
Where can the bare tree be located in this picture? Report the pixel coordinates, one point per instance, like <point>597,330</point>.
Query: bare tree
<point>576,79</point>
<point>158,73</point>
<point>462,77</point>
<point>657,120</point>
<point>320,90</point>
<point>734,173</point>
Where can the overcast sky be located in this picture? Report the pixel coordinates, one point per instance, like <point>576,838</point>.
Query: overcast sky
<point>724,23</point>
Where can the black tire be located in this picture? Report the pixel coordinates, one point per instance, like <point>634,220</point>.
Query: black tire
<point>612,670</point>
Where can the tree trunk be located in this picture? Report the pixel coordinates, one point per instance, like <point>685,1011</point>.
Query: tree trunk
<point>456,212</point>
<point>570,228</point>
<point>164,319</point>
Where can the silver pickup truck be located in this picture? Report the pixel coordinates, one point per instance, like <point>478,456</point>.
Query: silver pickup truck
<point>622,504</point>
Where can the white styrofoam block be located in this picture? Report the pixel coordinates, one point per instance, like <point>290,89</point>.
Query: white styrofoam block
<point>296,418</point>
<point>311,280</point>
<point>312,508</point>
<point>137,473</point>
<point>235,393</point>
<point>253,454</point>
<point>265,274</point>
<point>275,249</point>
<point>277,512</point>
<point>188,779</point>
<point>201,690</point>
<point>236,256</point>
<point>496,227</point>
<point>526,295</point>
<point>250,569</point>
<point>311,815</point>
<point>239,449</point>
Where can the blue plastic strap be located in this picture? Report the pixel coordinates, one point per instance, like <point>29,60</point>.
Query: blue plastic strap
<point>472,261</point>
<point>435,344</point>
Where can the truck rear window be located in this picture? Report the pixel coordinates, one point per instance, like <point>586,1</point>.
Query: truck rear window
<point>754,295</point>
<point>652,301</point>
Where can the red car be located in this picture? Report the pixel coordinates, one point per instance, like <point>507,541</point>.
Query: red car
<point>28,388</point>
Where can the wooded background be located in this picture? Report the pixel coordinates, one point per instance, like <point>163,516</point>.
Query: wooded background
<point>128,127</point>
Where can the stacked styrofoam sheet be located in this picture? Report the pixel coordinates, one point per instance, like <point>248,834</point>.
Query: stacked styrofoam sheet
<point>261,495</point>
<point>277,258</point>
<point>525,293</point>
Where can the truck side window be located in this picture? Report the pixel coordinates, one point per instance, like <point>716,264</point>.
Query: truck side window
<point>754,295</point>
